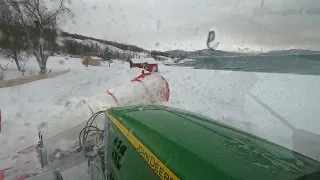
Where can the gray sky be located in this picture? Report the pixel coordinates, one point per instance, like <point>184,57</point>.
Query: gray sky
<point>184,24</point>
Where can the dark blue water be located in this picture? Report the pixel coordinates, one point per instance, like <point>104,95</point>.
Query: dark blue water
<point>295,64</point>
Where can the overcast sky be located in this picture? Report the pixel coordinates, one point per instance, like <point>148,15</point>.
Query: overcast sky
<point>184,24</point>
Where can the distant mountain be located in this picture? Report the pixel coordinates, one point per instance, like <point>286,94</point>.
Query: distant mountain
<point>203,52</point>
<point>206,52</point>
<point>209,52</point>
<point>291,52</point>
<point>177,53</point>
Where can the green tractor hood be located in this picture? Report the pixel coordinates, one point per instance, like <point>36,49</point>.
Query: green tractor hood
<point>158,142</point>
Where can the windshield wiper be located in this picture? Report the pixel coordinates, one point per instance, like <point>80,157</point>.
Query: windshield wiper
<point>304,142</point>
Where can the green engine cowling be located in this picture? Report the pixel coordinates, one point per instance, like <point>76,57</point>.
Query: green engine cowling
<point>149,142</point>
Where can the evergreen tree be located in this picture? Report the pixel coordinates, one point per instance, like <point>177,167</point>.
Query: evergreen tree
<point>107,55</point>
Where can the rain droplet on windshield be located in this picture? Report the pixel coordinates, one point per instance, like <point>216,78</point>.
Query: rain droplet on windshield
<point>61,61</point>
<point>43,125</point>
<point>21,139</point>
<point>59,41</point>
<point>158,24</point>
<point>41,41</point>
<point>1,35</point>
<point>57,155</point>
<point>26,124</point>
<point>11,39</point>
<point>1,74</point>
<point>15,158</point>
<point>130,132</point>
<point>121,160</point>
<point>17,115</point>
<point>46,53</point>
<point>59,32</point>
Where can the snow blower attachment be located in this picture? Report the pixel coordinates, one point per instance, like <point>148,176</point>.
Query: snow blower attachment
<point>147,88</point>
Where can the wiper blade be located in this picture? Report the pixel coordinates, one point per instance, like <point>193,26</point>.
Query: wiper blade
<point>271,111</point>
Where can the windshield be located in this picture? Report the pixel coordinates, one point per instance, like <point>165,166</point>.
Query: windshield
<point>252,65</point>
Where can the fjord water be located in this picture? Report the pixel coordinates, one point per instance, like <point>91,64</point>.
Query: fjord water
<point>293,64</point>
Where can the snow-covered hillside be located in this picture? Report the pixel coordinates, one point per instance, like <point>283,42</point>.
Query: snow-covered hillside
<point>113,49</point>
<point>52,104</point>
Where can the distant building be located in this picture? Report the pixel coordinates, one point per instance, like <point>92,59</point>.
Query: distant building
<point>148,64</point>
<point>92,61</point>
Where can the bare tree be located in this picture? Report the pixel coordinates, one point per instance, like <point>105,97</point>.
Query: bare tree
<point>38,14</point>
<point>12,37</point>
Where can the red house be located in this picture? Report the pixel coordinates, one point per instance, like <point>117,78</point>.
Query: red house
<point>148,64</point>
